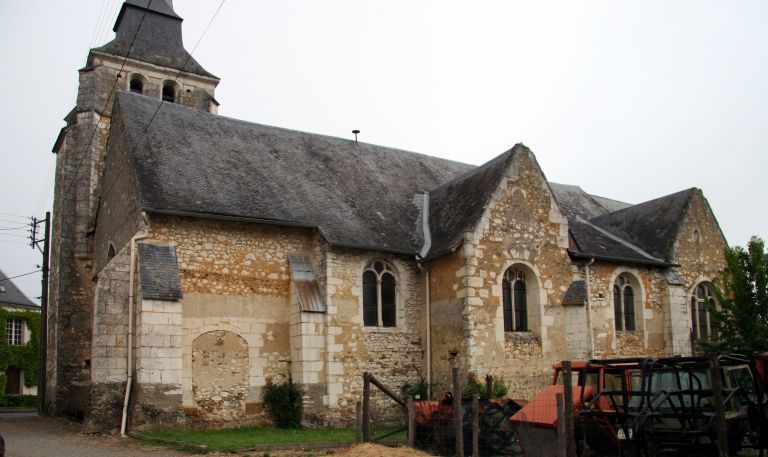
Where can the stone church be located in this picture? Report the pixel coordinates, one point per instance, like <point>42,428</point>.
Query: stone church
<point>197,257</point>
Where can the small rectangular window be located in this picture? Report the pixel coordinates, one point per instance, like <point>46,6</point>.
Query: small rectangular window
<point>15,330</point>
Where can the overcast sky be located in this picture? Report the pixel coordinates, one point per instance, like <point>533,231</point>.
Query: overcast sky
<point>629,100</point>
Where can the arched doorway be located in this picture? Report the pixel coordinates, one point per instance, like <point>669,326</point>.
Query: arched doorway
<point>220,374</point>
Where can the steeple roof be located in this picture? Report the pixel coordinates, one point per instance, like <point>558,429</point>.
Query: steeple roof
<point>150,31</point>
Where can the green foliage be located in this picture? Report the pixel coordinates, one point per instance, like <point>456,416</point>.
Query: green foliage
<point>18,401</point>
<point>742,320</point>
<point>284,404</point>
<point>473,386</point>
<point>26,357</point>
<point>419,390</point>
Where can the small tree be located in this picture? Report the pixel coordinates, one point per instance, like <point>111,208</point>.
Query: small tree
<point>742,318</point>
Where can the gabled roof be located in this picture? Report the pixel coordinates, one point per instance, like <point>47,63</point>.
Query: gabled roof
<point>199,164</point>
<point>150,31</point>
<point>653,225</point>
<point>10,294</point>
<point>593,239</point>
<point>456,206</point>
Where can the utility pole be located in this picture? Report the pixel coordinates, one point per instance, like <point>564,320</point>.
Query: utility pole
<point>45,250</point>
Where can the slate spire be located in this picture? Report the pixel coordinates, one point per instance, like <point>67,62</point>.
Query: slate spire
<point>150,31</point>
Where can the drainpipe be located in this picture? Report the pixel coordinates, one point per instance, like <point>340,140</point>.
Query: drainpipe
<point>590,340</point>
<point>144,233</point>
<point>428,321</point>
<point>429,329</point>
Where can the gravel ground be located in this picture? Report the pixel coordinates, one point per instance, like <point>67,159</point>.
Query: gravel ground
<point>46,437</point>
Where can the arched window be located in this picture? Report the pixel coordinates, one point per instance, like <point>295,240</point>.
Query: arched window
<point>515,306</point>
<point>379,308</point>
<point>623,304</point>
<point>701,319</point>
<point>136,84</point>
<point>169,92</point>
<point>111,251</point>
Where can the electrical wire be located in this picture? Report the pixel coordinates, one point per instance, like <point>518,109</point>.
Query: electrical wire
<point>21,227</point>
<point>107,191</point>
<point>68,189</point>
<point>19,276</point>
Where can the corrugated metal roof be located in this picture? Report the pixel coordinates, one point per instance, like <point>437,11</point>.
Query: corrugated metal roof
<point>307,289</point>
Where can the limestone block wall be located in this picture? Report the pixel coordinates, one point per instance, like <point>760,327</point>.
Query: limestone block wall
<point>158,342</point>
<point>521,228</point>
<point>651,304</point>
<point>110,324</point>
<point>699,252</point>
<point>394,355</point>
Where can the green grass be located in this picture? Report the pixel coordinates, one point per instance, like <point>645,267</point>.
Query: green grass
<point>228,440</point>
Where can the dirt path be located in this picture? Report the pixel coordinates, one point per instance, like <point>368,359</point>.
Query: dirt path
<point>45,437</point>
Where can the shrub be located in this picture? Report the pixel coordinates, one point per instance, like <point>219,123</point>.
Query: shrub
<point>283,402</point>
<point>19,401</point>
<point>419,390</point>
<point>473,386</point>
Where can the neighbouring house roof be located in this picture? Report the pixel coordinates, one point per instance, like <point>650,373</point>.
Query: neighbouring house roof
<point>159,272</point>
<point>357,195</point>
<point>150,31</point>
<point>11,295</point>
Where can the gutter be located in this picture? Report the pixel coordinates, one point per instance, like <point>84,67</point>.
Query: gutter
<point>144,233</point>
<point>427,298</point>
<point>655,263</point>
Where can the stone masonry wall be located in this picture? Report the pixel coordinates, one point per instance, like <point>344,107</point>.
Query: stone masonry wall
<point>524,229</point>
<point>110,344</point>
<point>235,277</point>
<point>699,250</point>
<point>394,355</point>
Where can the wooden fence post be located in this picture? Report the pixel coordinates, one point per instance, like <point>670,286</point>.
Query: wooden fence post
<point>717,398</point>
<point>475,425</point>
<point>570,438</point>
<point>560,444</point>
<point>358,421</point>
<point>411,422</point>
<point>366,407</point>
<point>457,413</point>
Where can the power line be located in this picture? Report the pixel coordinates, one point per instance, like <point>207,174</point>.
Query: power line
<point>19,276</point>
<point>13,242</point>
<point>14,215</point>
<point>14,236</point>
<point>178,75</point>
<point>98,22</point>
<point>67,191</point>
<point>21,227</point>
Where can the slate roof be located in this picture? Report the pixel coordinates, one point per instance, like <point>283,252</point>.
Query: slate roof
<point>159,272</point>
<point>576,293</point>
<point>455,206</point>
<point>584,212</point>
<point>12,295</point>
<point>358,195</point>
<point>157,33</point>
<point>652,225</point>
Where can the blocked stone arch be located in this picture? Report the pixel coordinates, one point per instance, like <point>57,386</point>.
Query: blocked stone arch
<point>220,374</point>
<point>535,296</point>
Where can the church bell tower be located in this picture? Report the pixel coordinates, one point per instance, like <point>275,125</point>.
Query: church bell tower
<point>147,56</point>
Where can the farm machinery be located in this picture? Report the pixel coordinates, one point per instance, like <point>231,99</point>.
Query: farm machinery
<point>634,407</point>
